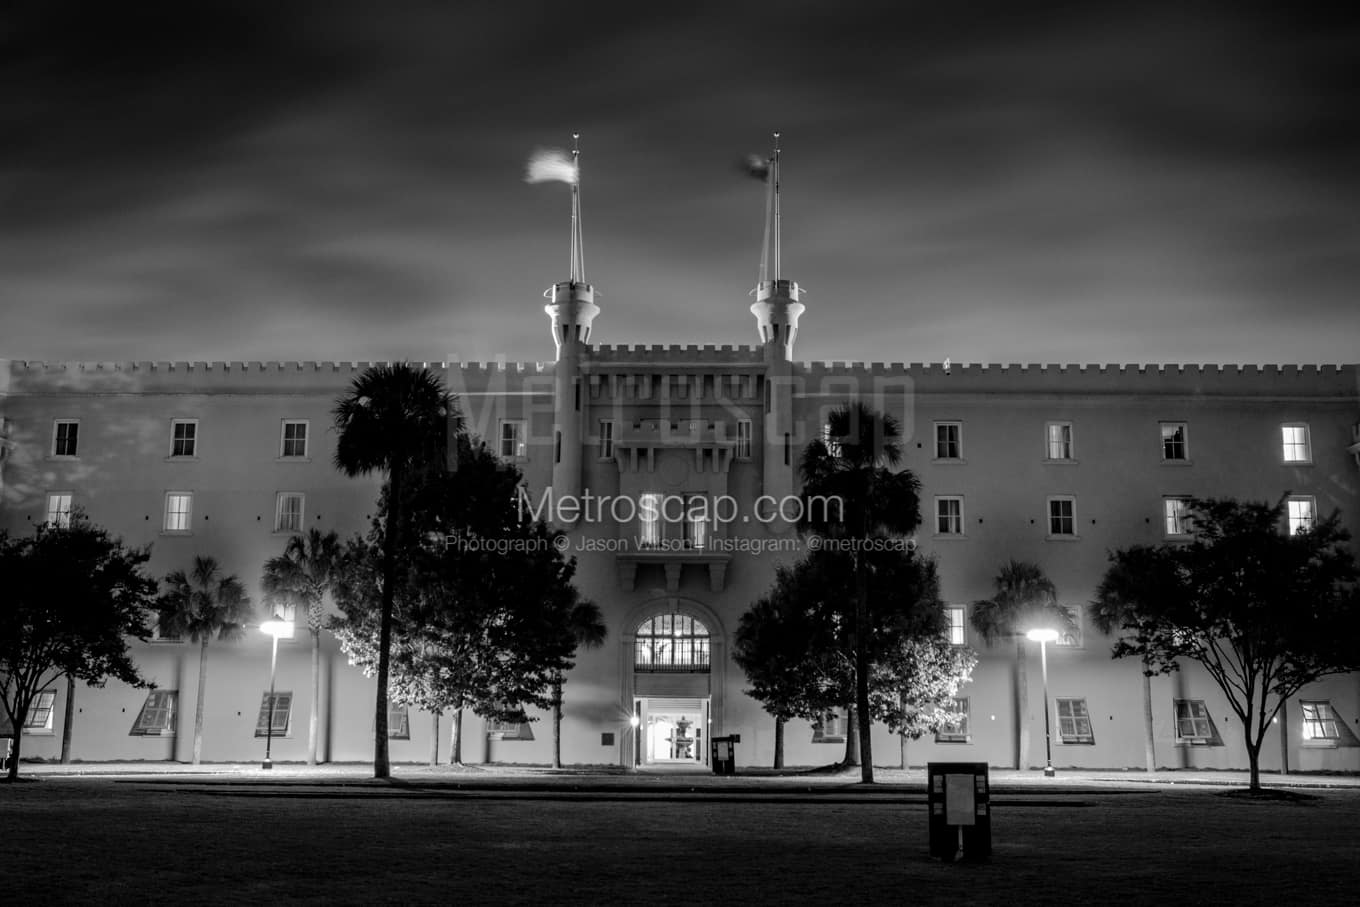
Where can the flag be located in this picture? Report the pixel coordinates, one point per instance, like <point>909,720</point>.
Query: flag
<point>757,166</point>
<point>551,165</point>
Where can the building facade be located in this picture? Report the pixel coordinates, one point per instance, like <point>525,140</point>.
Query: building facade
<point>1052,464</point>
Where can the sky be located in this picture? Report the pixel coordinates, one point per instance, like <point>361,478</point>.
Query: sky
<point>988,182</point>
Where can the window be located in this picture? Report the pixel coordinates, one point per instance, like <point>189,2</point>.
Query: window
<point>606,439</point>
<point>1173,441</point>
<point>294,442</point>
<point>184,438</point>
<point>671,643</point>
<point>513,725</point>
<point>1062,516</point>
<point>1070,637</point>
<point>1319,721</point>
<point>957,632</point>
<point>179,507</point>
<point>288,512</point>
<point>1059,440</point>
<point>283,707</point>
<point>1176,515</point>
<point>39,720</point>
<point>1074,723</point>
<point>512,438</point>
<point>157,718</point>
<point>948,440</point>
<point>65,437</point>
<point>949,516</point>
<point>1192,721</point>
<point>958,731</point>
<point>1300,513</point>
<point>1297,446</point>
<point>831,727</point>
<point>743,439</point>
<point>694,521</point>
<point>649,520</point>
<point>833,445</point>
<point>398,722</point>
<point>59,509</point>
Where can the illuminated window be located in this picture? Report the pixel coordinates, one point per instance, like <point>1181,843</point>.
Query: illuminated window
<point>649,520</point>
<point>184,438</point>
<point>294,441</point>
<point>512,438</point>
<point>1319,721</point>
<point>1176,516</point>
<point>288,512</point>
<point>59,509</point>
<point>281,712</point>
<point>39,720</point>
<point>949,516</point>
<point>65,437</point>
<point>948,440</point>
<point>743,439</point>
<point>957,631</point>
<point>830,727</point>
<point>1070,637</point>
<point>1059,440</point>
<point>157,718</point>
<point>958,731</point>
<point>606,439</point>
<point>1300,513</point>
<point>1173,441</point>
<point>1074,723</point>
<point>1192,721</point>
<point>398,722</point>
<point>833,445</point>
<point>1062,516</point>
<point>694,521</point>
<point>510,725</point>
<point>179,507</point>
<point>671,643</point>
<point>1297,446</point>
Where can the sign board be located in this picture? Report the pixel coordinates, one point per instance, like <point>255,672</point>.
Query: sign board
<point>958,800</point>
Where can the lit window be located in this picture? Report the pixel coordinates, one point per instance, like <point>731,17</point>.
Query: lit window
<point>1070,638</point>
<point>694,521</point>
<point>957,631</point>
<point>1319,721</point>
<point>1300,512</point>
<point>1062,516</point>
<point>513,725</point>
<point>65,437</point>
<point>512,438</point>
<point>184,438</point>
<point>39,718</point>
<point>59,509</point>
<point>957,732</point>
<point>288,512</point>
<point>948,440</point>
<point>1074,723</point>
<point>649,520</point>
<point>1060,440</point>
<point>1297,446</point>
<point>671,643</point>
<point>743,439</point>
<point>157,718</point>
<point>398,722</point>
<point>282,710</point>
<point>606,439</point>
<point>1173,441</point>
<point>949,516</point>
<point>1176,513</point>
<point>830,727</point>
<point>1192,721</point>
<point>179,507</point>
<point>833,445</point>
<point>294,443</point>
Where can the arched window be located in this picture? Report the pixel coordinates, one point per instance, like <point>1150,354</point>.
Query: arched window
<point>674,643</point>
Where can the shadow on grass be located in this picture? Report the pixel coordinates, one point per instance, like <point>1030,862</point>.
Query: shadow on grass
<point>1266,795</point>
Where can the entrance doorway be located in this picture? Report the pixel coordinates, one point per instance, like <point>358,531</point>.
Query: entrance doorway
<point>672,732</point>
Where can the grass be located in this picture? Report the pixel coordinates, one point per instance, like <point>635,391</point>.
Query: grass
<point>98,840</point>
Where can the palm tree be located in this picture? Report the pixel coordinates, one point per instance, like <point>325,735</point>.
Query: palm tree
<point>1024,599</point>
<point>301,577</point>
<point>851,490</point>
<point>396,419</point>
<point>200,605</point>
<point>587,627</point>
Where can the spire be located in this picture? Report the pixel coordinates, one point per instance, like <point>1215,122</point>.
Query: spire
<point>578,244</point>
<point>776,307</point>
<point>571,304</point>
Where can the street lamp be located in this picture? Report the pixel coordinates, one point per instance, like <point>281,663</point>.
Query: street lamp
<point>633,722</point>
<point>1043,637</point>
<point>276,626</point>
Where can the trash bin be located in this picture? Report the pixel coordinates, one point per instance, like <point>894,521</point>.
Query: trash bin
<point>960,810</point>
<point>724,754</point>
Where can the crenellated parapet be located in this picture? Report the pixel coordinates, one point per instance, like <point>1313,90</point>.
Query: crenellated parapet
<point>674,355</point>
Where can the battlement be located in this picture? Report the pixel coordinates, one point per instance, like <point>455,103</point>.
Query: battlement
<point>675,354</point>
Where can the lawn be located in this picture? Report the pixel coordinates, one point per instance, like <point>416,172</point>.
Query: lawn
<point>104,841</point>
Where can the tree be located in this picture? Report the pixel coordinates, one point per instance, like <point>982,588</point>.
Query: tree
<point>71,597</point>
<point>396,420</point>
<point>301,577</point>
<point>587,629</point>
<point>772,649</point>
<point>852,494</point>
<point>202,604</point>
<point>1264,612</point>
<point>926,673</point>
<point>1024,599</point>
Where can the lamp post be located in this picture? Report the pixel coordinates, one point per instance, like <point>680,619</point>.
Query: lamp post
<point>633,722</point>
<point>1043,637</point>
<point>276,626</point>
